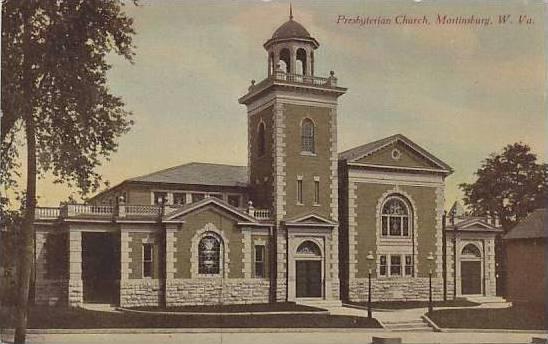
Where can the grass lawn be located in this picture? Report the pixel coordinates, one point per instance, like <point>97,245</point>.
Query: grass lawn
<point>497,318</point>
<point>67,318</point>
<point>261,307</point>
<point>415,304</point>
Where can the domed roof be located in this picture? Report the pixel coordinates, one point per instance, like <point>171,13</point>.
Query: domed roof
<point>291,29</point>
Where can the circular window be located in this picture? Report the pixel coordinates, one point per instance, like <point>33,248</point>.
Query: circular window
<point>396,154</point>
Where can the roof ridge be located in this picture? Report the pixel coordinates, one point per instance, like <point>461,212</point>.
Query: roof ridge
<point>388,138</point>
<point>159,171</point>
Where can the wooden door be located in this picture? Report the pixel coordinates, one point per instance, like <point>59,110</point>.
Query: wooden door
<point>470,272</point>
<point>309,278</point>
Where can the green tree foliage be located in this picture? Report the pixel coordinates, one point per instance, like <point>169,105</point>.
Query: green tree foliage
<point>55,95</point>
<point>510,184</point>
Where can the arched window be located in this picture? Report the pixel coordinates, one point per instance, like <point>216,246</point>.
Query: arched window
<point>301,62</point>
<point>261,139</point>
<point>286,59</point>
<point>396,218</point>
<point>309,248</point>
<point>471,250</point>
<point>307,136</point>
<point>209,255</point>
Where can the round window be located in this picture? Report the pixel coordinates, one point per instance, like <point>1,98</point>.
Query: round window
<point>396,154</point>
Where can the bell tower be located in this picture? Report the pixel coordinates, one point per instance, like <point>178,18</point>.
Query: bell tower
<point>292,156</point>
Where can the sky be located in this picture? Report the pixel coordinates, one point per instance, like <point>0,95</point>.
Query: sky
<point>460,91</point>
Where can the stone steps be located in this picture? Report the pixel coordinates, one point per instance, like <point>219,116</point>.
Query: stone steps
<point>485,299</point>
<point>320,303</point>
<point>418,325</point>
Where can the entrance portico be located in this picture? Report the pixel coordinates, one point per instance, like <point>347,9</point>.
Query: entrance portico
<point>309,255</point>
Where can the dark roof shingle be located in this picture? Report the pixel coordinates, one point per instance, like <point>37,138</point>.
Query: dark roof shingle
<point>533,226</point>
<point>200,174</point>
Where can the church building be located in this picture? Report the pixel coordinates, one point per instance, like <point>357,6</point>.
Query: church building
<point>301,221</point>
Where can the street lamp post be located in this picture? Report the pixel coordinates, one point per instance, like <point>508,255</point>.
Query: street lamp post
<point>370,258</point>
<point>430,305</point>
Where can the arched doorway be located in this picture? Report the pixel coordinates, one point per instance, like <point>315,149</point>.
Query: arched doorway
<point>470,270</point>
<point>308,261</point>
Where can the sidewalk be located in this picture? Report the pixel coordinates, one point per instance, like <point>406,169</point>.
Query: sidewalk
<point>304,336</point>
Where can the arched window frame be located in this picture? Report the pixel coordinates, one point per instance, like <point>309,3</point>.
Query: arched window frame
<point>214,255</point>
<point>309,248</point>
<point>405,220</point>
<point>224,261</point>
<point>308,136</point>
<point>471,250</point>
<point>261,139</point>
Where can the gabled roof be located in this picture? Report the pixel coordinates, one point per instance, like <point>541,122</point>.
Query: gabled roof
<point>533,226</point>
<point>473,224</point>
<point>357,153</point>
<point>200,174</point>
<point>310,219</point>
<point>210,201</point>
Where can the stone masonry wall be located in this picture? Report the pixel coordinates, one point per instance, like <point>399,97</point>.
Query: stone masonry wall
<point>401,289</point>
<point>214,291</point>
<point>142,292</point>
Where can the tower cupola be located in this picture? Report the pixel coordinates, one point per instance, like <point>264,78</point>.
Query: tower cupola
<point>291,49</point>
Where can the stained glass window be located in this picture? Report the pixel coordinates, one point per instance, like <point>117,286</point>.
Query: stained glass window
<point>408,265</point>
<point>383,266</point>
<point>209,252</point>
<point>395,218</point>
<point>471,250</point>
<point>395,265</point>
<point>309,248</point>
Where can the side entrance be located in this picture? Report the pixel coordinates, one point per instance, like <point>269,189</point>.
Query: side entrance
<point>101,267</point>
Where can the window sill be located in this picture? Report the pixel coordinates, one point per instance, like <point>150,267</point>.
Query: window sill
<point>316,205</point>
<point>212,276</point>
<point>299,203</point>
<point>395,239</point>
<point>304,153</point>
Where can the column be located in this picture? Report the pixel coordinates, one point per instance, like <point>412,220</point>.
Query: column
<point>75,287</point>
<point>308,67</point>
<point>292,60</point>
<point>170,262</point>
<point>247,250</point>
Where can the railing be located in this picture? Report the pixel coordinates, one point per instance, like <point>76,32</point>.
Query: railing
<point>260,214</point>
<point>106,211</point>
<point>70,210</point>
<point>140,210</point>
<point>47,213</point>
<point>280,75</point>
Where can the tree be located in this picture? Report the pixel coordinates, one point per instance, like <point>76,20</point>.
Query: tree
<point>510,185</point>
<point>55,95</point>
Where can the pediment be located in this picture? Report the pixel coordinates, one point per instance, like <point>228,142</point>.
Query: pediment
<point>396,151</point>
<point>397,154</point>
<point>211,203</point>
<point>309,219</point>
<point>476,225</point>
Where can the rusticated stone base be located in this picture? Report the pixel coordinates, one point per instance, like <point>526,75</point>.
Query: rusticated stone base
<point>281,290</point>
<point>395,289</point>
<point>75,292</point>
<point>140,292</point>
<point>51,292</point>
<point>214,291</point>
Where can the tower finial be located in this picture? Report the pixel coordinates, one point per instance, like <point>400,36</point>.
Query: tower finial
<point>290,12</point>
